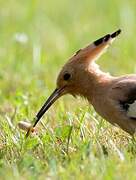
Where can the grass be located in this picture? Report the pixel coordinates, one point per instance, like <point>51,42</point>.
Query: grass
<point>36,39</point>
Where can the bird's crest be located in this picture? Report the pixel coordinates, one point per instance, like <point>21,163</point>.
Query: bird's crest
<point>95,49</point>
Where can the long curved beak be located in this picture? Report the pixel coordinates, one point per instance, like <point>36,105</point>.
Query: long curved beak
<point>53,97</point>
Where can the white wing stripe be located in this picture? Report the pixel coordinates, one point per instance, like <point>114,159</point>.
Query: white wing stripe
<point>132,110</point>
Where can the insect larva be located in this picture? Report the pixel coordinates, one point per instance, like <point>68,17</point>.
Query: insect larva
<point>25,126</point>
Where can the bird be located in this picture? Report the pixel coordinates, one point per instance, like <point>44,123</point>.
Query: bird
<point>113,98</point>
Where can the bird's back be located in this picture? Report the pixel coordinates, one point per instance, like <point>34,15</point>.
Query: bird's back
<point>122,95</point>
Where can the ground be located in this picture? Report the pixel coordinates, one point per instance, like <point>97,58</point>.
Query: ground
<point>36,39</point>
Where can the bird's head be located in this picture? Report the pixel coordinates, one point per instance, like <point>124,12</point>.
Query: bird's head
<point>70,78</point>
<point>74,73</point>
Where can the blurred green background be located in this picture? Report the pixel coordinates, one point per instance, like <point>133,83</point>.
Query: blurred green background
<point>36,39</point>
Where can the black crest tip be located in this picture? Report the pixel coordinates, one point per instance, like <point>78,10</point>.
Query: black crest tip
<point>107,37</point>
<point>116,33</point>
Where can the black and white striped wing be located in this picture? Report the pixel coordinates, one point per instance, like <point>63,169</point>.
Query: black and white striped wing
<point>131,112</point>
<point>126,92</point>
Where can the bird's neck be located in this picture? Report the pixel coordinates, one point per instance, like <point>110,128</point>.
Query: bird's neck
<point>96,83</point>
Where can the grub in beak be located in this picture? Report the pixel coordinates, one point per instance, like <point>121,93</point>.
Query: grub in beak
<point>53,97</point>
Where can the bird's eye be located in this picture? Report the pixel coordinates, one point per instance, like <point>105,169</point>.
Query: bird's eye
<point>66,76</point>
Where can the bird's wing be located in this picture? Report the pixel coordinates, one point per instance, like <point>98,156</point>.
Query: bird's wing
<point>97,48</point>
<point>124,91</point>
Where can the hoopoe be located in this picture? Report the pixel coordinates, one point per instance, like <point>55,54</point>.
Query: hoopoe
<point>114,98</point>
